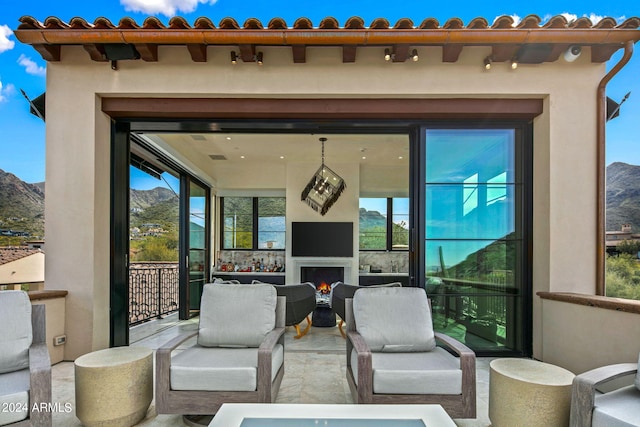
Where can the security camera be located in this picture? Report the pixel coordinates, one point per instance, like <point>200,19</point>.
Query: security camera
<point>572,53</point>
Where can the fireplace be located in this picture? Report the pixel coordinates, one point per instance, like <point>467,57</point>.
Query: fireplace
<point>322,278</point>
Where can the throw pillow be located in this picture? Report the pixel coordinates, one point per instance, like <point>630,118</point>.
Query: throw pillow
<point>393,319</point>
<point>236,316</point>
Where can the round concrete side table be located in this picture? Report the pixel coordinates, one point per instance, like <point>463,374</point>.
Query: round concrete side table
<point>524,392</point>
<point>114,387</point>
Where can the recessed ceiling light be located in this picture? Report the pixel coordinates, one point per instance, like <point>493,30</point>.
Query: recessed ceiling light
<point>364,157</point>
<point>242,157</point>
<point>228,138</point>
<point>400,157</point>
<point>282,157</point>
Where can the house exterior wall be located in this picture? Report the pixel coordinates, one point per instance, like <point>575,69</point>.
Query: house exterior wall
<point>78,135</point>
<point>29,269</point>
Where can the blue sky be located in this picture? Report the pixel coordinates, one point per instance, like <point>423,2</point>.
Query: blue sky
<point>22,145</point>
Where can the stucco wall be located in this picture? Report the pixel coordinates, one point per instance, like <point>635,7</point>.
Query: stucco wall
<point>77,209</point>
<point>55,326</point>
<point>345,209</point>
<point>29,269</point>
<point>580,338</point>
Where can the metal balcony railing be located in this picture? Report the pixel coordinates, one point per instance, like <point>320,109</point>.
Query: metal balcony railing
<point>153,290</point>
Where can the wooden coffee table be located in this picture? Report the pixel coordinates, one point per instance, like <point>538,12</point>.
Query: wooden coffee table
<point>303,415</point>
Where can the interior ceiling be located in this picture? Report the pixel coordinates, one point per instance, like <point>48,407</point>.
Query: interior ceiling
<point>242,149</point>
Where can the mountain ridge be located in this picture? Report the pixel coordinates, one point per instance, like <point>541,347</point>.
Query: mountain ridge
<point>623,196</point>
<point>21,208</point>
<point>22,203</point>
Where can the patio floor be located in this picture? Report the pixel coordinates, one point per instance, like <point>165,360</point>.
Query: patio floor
<point>315,372</point>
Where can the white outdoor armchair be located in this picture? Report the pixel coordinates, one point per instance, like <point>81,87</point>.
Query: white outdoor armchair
<point>392,355</point>
<point>239,356</point>
<point>616,408</point>
<point>25,367</point>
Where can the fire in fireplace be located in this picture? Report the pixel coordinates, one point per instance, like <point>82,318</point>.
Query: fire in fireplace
<point>322,278</point>
<point>323,288</point>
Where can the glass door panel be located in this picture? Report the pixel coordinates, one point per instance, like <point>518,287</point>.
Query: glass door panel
<point>198,243</point>
<point>154,224</point>
<point>473,238</point>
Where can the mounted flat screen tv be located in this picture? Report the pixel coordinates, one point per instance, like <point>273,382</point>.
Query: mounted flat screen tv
<point>322,239</point>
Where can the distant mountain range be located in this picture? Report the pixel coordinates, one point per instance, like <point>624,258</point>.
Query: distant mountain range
<point>159,205</point>
<point>22,204</point>
<point>21,207</point>
<point>623,196</point>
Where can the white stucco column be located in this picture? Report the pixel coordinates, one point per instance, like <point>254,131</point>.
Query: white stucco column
<point>77,210</point>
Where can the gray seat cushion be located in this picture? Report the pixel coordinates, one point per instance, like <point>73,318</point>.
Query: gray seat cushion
<point>236,316</point>
<point>394,319</point>
<point>619,408</point>
<point>434,372</point>
<point>16,337</point>
<point>14,396</point>
<point>220,369</point>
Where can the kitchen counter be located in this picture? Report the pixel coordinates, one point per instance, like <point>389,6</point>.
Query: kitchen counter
<point>276,278</point>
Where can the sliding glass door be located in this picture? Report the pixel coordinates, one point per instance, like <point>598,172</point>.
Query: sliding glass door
<point>476,224</point>
<point>198,238</point>
<point>160,228</point>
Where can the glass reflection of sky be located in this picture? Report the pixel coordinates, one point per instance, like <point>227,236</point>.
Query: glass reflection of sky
<point>140,180</point>
<point>453,155</point>
<point>378,204</point>
<point>470,191</point>
<point>271,229</point>
<point>197,210</point>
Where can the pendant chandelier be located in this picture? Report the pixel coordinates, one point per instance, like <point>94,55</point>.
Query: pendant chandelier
<point>324,188</point>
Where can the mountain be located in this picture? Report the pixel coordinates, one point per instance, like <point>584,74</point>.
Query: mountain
<point>156,206</point>
<point>40,185</point>
<point>142,199</point>
<point>371,219</point>
<point>21,206</point>
<point>623,196</point>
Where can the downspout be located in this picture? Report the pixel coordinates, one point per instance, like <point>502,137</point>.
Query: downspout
<point>601,120</point>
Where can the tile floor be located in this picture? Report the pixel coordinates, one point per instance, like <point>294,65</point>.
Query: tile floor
<point>315,372</point>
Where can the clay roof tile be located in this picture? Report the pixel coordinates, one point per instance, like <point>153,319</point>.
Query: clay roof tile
<point>379,24</point>
<point>303,24</point>
<point>329,23</point>
<point>252,24</point>
<point>204,23</point>
<point>178,23</point>
<point>530,21</point>
<point>430,24</point>
<point>354,23</point>
<point>229,23</point>
<point>277,24</point>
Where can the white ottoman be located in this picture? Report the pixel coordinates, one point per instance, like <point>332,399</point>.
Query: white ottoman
<point>524,392</point>
<point>114,387</point>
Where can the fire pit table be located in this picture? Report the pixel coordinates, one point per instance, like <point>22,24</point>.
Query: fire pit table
<point>297,415</point>
<point>323,316</point>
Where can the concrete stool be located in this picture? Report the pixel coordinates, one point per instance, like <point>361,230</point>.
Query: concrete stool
<point>524,392</point>
<point>114,387</point>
